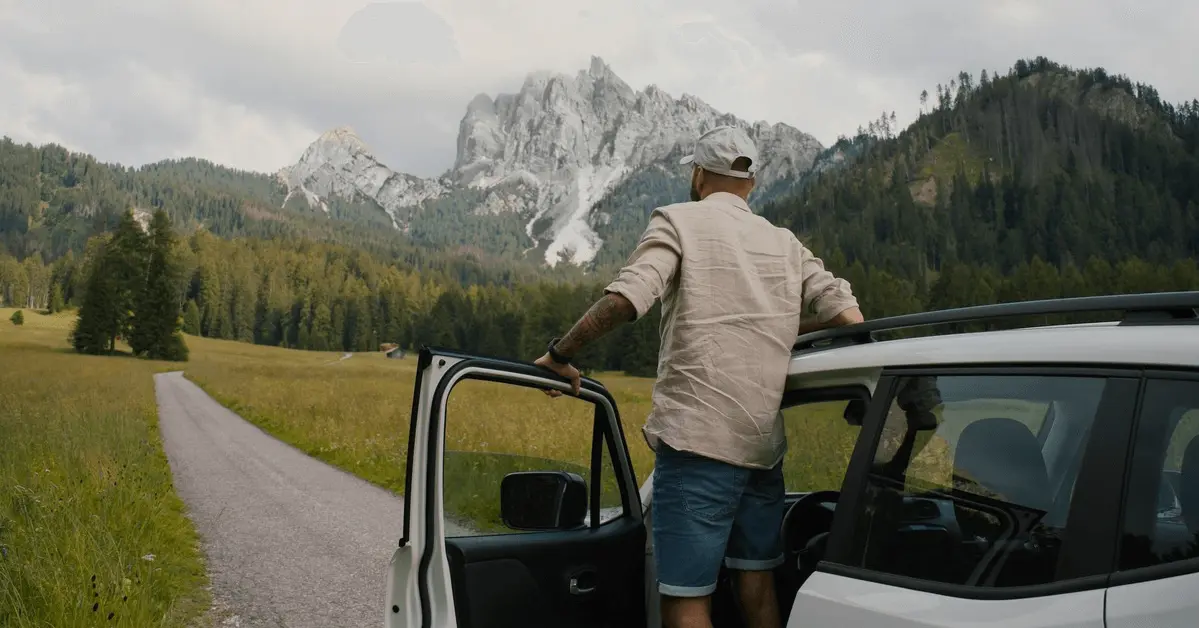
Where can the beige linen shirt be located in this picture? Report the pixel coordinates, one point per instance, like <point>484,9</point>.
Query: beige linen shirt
<point>733,288</point>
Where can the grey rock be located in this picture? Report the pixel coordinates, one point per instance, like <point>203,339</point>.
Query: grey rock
<point>548,153</point>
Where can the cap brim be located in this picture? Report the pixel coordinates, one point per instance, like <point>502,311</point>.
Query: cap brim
<point>686,160</point>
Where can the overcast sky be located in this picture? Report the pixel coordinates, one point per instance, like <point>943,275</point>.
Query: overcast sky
<point>249,83</point>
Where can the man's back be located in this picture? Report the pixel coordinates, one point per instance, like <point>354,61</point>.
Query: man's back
<point>730,315</point>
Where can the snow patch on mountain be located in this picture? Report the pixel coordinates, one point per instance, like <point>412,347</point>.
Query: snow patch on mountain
<point>547,153</point>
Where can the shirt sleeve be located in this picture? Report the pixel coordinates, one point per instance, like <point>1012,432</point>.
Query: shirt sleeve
<point>651,266</point>
<point>824,294</point>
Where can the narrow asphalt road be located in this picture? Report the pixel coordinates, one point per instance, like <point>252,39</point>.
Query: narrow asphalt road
<point>290,541</point>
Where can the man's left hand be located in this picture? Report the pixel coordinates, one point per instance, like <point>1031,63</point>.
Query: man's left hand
<point>565,370</point>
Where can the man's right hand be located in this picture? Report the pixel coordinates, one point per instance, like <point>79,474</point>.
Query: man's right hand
<point>565,370</point>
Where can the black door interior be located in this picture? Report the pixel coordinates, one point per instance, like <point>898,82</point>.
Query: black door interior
<point>588,578</point>
<point>578,575</point>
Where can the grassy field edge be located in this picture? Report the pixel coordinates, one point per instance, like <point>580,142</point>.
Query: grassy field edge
<point>92,531</point>
<point>339,458</point>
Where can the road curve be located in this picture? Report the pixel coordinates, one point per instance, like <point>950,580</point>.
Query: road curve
<point>289,540</point>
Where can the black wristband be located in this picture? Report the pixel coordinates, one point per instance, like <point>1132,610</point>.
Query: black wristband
<point>554,355</point>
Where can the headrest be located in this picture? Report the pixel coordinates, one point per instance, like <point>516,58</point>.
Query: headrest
<point>1003,457</point>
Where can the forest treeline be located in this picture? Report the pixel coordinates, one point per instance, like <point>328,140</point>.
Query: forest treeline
<point>52,201</point>
<point>1043,161</point>
<point>331,298</point>
<point>1040,182</point>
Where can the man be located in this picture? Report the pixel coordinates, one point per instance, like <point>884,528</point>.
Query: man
<point>735,291</point>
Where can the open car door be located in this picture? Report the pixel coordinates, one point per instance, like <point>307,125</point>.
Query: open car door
<point>520,510</point>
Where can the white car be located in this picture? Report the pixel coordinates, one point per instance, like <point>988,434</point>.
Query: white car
<point>1031,477</point>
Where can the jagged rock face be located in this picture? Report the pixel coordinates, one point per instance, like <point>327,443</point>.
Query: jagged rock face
<point>549,153</point>
<point>340,164</point>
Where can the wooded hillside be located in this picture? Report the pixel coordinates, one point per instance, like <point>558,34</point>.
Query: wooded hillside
<point>1040,182</point>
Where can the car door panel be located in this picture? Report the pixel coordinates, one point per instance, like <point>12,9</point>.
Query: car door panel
<point>829,600</point>
<point>520,578</point>
<point>1167,602</point>
<point>574,578</point>
<point>1157,583</point>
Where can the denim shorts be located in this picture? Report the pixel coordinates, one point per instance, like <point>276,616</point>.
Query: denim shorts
<point>707,512</point>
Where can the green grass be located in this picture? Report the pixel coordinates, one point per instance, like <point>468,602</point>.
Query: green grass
<point>355,414</point>
<point>950,153</point>
<point>91,531</point>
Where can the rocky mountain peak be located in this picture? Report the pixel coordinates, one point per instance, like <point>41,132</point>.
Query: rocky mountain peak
<point>548,153</point>
<point>340,165</point>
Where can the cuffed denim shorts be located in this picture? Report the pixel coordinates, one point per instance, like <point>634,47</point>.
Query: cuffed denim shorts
<point>706,512</point>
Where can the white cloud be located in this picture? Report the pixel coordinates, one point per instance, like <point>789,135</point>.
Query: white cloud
<point>250,82</point>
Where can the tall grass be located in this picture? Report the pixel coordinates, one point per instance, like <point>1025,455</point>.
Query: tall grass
<point>91,531</point>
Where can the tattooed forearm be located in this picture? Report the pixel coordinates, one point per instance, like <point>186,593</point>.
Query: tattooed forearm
<point>607,314</point>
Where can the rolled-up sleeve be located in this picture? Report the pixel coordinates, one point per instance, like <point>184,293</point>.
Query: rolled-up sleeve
<point>824,294</point>
<point>651,266</point>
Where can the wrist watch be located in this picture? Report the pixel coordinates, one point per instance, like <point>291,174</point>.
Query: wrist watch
<point>558,358</point>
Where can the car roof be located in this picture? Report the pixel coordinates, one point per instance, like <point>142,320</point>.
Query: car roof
<point>1165,345</point>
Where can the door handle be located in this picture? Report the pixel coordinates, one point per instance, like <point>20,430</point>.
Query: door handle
<point>582,583</point>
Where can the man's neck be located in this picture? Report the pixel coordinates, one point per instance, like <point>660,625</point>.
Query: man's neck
<point>737,194</point>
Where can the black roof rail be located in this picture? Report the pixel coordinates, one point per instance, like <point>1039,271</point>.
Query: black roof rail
<point>1138,308</point>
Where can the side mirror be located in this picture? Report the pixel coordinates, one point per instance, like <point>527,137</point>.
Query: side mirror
<point>543,500</point>
<point>854,411</point>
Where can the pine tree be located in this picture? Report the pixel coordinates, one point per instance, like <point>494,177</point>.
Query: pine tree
<point>56,301</point>
<point>191,318</point>
<point>98,324</point>
<point>156,325</point>
<point>126,261</point>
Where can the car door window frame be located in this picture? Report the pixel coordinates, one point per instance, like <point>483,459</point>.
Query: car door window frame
<point>468,366</point>
<point>517,374</point>
<point>1102,466</point>
<point>796,397</point>
<point>1164,570</point>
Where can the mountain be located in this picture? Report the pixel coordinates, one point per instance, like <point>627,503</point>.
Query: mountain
<point>53,201</point>
<point>1043,164</point>
<point>1041,182</point>
<point>340,165</point>
<point>532,166</point>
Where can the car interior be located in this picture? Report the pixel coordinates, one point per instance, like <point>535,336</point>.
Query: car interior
<point>998,524</point>
<point>1009,485</point>
<point>954,534</point>
<point>1176,528</point>
<point>805,528</point>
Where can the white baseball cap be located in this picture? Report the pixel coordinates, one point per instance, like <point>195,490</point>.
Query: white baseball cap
<point>716,150</point>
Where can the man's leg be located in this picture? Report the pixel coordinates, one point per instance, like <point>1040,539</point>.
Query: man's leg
<point>694,501</point>
<point>756,547</point>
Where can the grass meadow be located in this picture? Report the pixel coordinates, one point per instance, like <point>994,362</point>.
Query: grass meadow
<point>91,531</point>
<point>86,490</point>
<point>354,413</point>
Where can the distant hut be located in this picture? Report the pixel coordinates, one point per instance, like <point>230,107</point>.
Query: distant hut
<point>396,354</point>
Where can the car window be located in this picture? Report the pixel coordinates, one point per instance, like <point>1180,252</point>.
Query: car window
<point>493,429</point>
<point>972,478</point>
<point>1161,510</point>
<point>819,445</point>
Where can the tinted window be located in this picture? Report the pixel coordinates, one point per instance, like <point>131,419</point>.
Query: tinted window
<point>973,476</point>
<point>493,429</point>
<point>1161,511</point>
